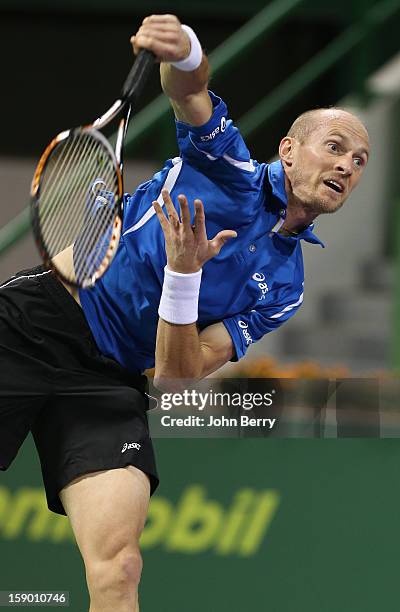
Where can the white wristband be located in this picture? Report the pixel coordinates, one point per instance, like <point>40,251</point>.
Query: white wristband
<point>193,60</point>
<point>180,297</point>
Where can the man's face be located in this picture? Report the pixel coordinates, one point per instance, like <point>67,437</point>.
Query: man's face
<point>325,168</point>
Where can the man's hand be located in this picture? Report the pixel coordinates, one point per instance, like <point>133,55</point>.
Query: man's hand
<point>187,246</point>
<point>164,36</point>
<point>187,91</point>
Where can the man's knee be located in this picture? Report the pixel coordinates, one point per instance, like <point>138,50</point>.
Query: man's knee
<point>117,576</point>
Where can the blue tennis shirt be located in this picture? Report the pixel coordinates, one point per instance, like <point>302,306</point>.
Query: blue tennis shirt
<point>255,283</point>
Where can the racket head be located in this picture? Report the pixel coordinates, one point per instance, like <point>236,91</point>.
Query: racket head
<point>76,206</point>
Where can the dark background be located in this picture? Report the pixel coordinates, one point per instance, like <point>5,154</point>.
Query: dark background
<point>63,66</point>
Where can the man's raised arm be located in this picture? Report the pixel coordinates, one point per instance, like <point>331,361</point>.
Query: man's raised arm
<point>184,67</point>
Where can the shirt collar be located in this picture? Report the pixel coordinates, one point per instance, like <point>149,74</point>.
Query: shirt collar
<point>276,179</point>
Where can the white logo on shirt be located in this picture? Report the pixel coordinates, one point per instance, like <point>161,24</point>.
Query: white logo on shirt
<point>260,278</point>
<point>220,128</point>
<point>244,327</point>
<point>129,445</point>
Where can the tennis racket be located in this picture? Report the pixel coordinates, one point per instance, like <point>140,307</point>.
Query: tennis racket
<point>77,190</point>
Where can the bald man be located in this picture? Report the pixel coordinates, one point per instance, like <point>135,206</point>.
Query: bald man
<point>270,208</point>
<point>328,140</point>
<point>194,283</point>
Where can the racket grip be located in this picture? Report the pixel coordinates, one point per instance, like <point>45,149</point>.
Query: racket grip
<point>138,75</point>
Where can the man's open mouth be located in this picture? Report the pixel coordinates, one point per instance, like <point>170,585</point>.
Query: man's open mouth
<point>334,185</point>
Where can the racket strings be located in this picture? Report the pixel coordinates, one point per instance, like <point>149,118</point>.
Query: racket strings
<point>62,186</point>
<point>58,162</point>
<point>77,168</point>
<point>66,224</point>
<point>78,193</point>
<point>91,246</point>
<point>61,181</point>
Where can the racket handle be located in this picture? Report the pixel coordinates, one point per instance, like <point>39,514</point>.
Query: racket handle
<point>138,75</point>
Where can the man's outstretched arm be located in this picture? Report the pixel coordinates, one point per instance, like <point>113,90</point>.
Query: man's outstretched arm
<point>187,90</point>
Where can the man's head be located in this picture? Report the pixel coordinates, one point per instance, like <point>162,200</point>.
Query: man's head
<point>324,155</point>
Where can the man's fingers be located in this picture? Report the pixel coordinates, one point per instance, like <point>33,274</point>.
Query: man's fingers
<point>220,239</point>
<point>199,221</point>
<point>157,36</point>
<point>167,18</point>
<point>172,214</point>
<point>185,212</point>
<point>159,29</point>
<point>164,51</point>
<point>164,36</point>
<point>160,214</point>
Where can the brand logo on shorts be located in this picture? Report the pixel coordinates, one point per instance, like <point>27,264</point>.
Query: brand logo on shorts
<point>129,445</point>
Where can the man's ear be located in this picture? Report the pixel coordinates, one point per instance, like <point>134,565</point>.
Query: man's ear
<point>286,151</point>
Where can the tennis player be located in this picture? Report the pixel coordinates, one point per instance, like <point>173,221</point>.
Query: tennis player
<point>193,284</point>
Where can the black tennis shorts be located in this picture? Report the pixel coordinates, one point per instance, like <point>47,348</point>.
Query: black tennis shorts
<point>85,411</point>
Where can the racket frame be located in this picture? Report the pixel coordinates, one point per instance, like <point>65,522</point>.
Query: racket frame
<point>117,225</point>
<point>131,90</point>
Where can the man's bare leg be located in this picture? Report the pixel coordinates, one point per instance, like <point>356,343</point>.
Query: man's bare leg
<point>107,511</point>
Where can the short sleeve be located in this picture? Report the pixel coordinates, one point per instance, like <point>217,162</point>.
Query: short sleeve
<point>217,147</point>
<point>247,328</point>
